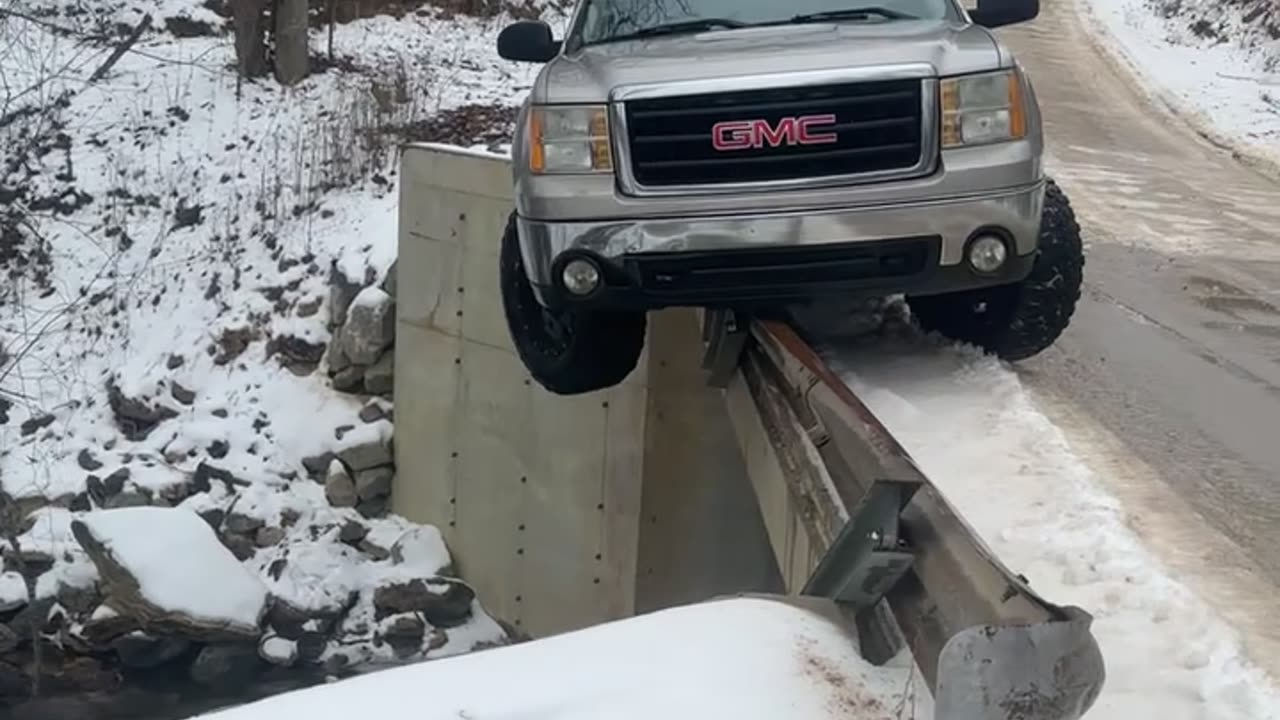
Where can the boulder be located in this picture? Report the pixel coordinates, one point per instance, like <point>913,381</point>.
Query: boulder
<point>367,454</point>
<point>342,291</point>
<point>132,549</point>
<point>339,488</point>
<point>140,651</point>
<point>226,666</point>
<point>379,378</point>
<point>443,602</point>
<point>370,327</point>
<point>374,482</point>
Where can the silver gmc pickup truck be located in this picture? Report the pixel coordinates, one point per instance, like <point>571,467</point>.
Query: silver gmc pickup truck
<point>750,154</point>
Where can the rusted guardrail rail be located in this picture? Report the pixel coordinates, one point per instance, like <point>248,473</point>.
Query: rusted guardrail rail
<point>852,517</point>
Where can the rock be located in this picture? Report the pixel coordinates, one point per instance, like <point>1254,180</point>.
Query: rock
<point>214,516</point>
<point>374,507</point>
<point>269,536</point>
<point>373,412</point>
<point>181,394</point>
<point>78,600</point>
<point>37,613</point>
<point>240,546</point>
<point>389,282</point>
<point>218,449</point>
<point>338,360</point>
<point>278,650</point>
<point>342,291</point>
<point>342,430</point>
<point>379,379</point>
<point>141,651</point>
<point>174,362</point>
<point>291,622</point>
<point>377,552</point>
<point>405,635</point>
<point>106,625</point>
<point>348,379</point>
<point>317,465</point>
<point>423,549</point>
<point>136,418</point>
<point>311,646</point>
<point>133,498</point>
<point>444,603</point>
<point>87,461</point>
<point>370,326</point>
<point>366,455</point>
<point>114,483</point>
<point>33,425</point>
<point>226,666</point>
<point>308,308</point>
<point>336,663</point>
<point>352,532</point>
<point>205,474</point>
<point>146,595</point>
<point>374,482</point>
<point>300,356</point>
<point>81,503</point>
<point>8,640</point>
<point>243,524</point>
<point>339,488</point>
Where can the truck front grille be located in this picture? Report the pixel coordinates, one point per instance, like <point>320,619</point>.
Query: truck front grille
<point>854,129</point>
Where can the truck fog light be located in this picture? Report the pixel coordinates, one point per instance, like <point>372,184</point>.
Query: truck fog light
<point>987,253</point>
<point>580,277</point>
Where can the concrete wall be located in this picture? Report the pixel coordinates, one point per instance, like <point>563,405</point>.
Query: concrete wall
<point>562,511</point>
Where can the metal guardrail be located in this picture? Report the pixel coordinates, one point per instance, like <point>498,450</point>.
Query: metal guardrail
<point>890,548</point>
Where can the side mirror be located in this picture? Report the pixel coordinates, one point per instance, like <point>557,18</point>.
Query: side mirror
<point>527,41</point>
<point>997,13</point>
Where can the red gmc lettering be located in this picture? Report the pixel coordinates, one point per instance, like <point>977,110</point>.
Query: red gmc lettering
<point>744,134</point>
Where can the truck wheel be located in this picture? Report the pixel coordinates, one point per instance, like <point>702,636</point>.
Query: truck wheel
<point>1020,320</point>
<point>567,351</point>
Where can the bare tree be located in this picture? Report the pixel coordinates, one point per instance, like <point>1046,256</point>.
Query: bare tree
<point>291,57</point>
<point>250,19</point>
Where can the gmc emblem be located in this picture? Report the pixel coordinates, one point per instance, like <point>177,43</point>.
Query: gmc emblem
<point>745,134</point>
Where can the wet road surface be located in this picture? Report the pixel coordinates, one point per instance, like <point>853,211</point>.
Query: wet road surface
<point>1171,369</point>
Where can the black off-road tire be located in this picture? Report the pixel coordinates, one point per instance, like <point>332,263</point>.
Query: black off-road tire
<point>1021,320</point>
<point>567,351</point>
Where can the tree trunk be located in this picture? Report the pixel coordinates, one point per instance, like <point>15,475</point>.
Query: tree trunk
<point>249,17</point>
<point>291,41</point>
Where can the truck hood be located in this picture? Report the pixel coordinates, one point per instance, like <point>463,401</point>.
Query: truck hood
<point>589,74</point>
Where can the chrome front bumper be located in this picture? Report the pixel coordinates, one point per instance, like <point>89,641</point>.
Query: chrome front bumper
<point>1015,212</point>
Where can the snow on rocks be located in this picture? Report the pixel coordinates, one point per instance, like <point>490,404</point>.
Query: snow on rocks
<point>186,263</point>
<point>204,594</point>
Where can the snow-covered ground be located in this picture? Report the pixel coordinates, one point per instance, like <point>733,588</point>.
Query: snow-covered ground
<point>167,235</point>
<point>742,658</point>
<point>978,434</point>
<point>1217,62</point>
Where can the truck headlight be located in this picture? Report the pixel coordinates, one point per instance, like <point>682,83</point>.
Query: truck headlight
<point>980,109</point>
<point>569,139</point>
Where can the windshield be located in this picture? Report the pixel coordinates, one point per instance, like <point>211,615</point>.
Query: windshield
<point>603,20</point>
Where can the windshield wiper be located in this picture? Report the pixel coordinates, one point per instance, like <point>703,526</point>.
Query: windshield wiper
<point>857,13</point>
<point>679,27</point>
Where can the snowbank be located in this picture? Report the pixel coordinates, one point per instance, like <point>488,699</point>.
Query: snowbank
<point>742,658</point>
<point>1218,62</point>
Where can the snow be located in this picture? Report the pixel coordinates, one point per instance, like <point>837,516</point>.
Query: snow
<point>744,658</point>
<point>1230,88</point>
<point>977,433</point>
<point>179,564</point>
<point>279,649</point>
<point>209,213</point>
